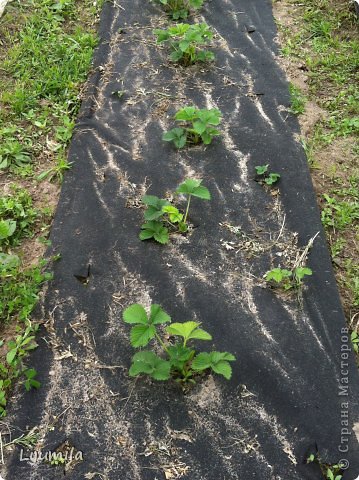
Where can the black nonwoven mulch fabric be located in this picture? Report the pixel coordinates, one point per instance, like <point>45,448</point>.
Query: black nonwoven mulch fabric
<point>294,389</point>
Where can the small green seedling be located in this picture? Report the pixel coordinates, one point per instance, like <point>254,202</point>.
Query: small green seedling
<point>330,472</point>
<point>57,459</point>
<point>198,126</point>
<point>262,169</point>
<point>272,178</point>
<point>180,9</point>
<point>287,279</point>
<point>119,93</point>
<point>186,42</point>
<point>30,381</point>
<point>182,362</point>
<point>162,217</point>
<point>266,176</point>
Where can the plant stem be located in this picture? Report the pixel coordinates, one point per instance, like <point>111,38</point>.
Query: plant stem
<point>162,343</point>
<point>170,223</point>
<point>187,209</point>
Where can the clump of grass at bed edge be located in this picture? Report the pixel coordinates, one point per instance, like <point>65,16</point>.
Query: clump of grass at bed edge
<point>182,362</point>
<point>19,287</point>
<point>297,100</point>
<point>49,64</point>
<point>18,296</point>
<point>13,368</point>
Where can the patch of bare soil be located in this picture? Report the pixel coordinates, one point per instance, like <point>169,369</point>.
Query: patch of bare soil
<point>335,160</point>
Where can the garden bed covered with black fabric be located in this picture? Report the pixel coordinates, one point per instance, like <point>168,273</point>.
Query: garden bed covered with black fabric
<point>288,394</point>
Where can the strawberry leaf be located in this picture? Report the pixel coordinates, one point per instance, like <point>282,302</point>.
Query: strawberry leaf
<point>141,335</point>
<point>150,364</point>
<point>135,314</point>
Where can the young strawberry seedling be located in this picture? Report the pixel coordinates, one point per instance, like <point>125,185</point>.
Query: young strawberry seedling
<point>182,362</point>
<point>186,42</point>
<point>162,217</point>
<point>287,279</point>
<point>265,176</point>
<point>330,472</point>
<point>180,8</point>
<point>197,126</point>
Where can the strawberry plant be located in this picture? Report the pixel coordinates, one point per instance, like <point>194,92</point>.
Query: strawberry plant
<point>162,217</point>
<point>197,126</point>
<point>186,42</point>
<point>287,279</point>
<point>180,8</point>
<point>181,361</point>
<point>265,176</point>
<point>330,472</point>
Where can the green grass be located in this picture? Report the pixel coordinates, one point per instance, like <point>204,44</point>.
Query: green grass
<point>340,217</point>
<point>339,214</point>
<point>327,42</point>
<point>18,207</point>
<point>297,100</point>
<point>323,40</point>
<point>19,290</point>
<point>47,48</point>
<point>46,63</point>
